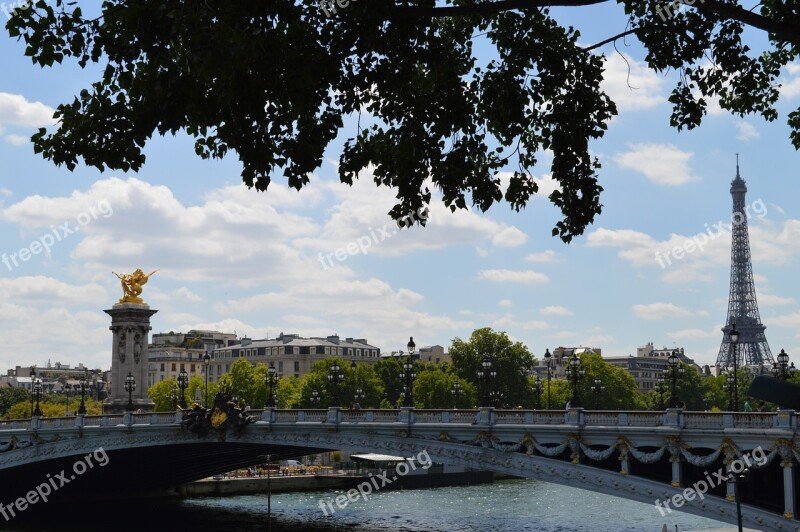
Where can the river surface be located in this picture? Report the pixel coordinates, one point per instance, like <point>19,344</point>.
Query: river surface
<point>505,506</point>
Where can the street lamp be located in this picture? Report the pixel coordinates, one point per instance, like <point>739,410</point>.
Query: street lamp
<point>537,389</point>
<point>173,395</point>
<point>130,387</point>
<point>33,381</point>
<point>548,359</point>
<point>67,388</point>
<point>661,387</point>
<point>676,370</point>
<point>486,374</point>
<point>728,384</point>
<point>408,375</point>
<point>597,389</point>
<point>736,479</point>
<point>206,362</point>
<point>82,384</point>
<point>456,393</point>
<point>574,373</point>
<point>733,334</point>
<point>781,369</point>
<point>315,397</point>
<point>37,392</point>
<point>271,379</point>
<point>183,383</point>
<point>335,377</point>
<point>268,458</point>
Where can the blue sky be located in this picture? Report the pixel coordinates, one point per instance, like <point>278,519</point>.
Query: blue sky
<point>234,259</point>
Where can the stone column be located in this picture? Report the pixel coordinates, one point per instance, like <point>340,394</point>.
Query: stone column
<point>787,463</point>
<point>130,327</point>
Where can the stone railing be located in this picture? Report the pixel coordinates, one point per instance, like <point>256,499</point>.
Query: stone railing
<point>784,419</point>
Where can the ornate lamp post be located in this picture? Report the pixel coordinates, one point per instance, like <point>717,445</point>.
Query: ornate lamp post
<point>206,362</point>
<point>335,377</point>
<point>271,379</point>
<point>183,382</point>
<point>676,370</point>
<point>661,387</point>
<point>486,374</point>
<point>82,385</point>
<point>548,359</point>
<point>728,384</point>
<point>173,395</point>
<point>597,388</point>
<point>67,388</point>
<point>33,381</point>
<point>130,387</point>
<point>781,369</point>
<point>37,393</point>
<point>315,397</point>
<point>408,375</point>
<point>538,387</point>
<point>456,393</point>
<point>574,373</point>
<point>733,334</point>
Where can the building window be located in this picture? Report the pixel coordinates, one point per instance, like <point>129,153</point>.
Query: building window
<point>304,350</point>
<point>296,366</point>
<point>227,367</point>
<point>288,350</point>
<point>162,366</point>
<point>280,366</point>
<point>173,366</point>
<point>192,368</point>
<point>321,350</point>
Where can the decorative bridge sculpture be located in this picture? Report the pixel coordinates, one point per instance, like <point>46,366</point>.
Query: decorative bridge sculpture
<point>643,456</point>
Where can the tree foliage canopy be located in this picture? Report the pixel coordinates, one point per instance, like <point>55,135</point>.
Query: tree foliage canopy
<point>273,83</point>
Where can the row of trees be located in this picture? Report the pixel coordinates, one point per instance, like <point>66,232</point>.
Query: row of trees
<point>382,383</point>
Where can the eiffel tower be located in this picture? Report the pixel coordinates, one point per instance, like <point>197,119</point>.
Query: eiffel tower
<point>752,348</point>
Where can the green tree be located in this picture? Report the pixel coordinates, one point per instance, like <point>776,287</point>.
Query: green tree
<point>620,389</point>
<point>289,392</point>
<point>246,382</point>
<point>11,396</point>
<point>433,388</point>
<point>388,371</point>
<point>510,360</point>
<point>438,112</point>
<point>161,394</point>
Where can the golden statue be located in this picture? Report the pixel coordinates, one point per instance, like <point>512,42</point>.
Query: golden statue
<point>132,285</point>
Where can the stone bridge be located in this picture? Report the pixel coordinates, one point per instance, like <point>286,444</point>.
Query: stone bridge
<point>677,458</point>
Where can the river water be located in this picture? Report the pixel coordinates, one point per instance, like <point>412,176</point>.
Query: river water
<point>505,506</point>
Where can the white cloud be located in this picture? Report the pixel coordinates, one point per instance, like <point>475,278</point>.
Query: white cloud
<point>48,290</point>
<point>505,303</point>
<point>631,84</point>
<point>772,300</point>
<point>16,110</point>
<point>787,320</point>
<point>17,140</point>
<point>555,310</point>
<point>509,237</point>
<point>790,87</point>
<point>510,323</point>
<point>513,276</point>
<point>657,311</point>
<point>543,256</point>
<point>747,131</point>
<point>663,164</point>
<point>695,334</point>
